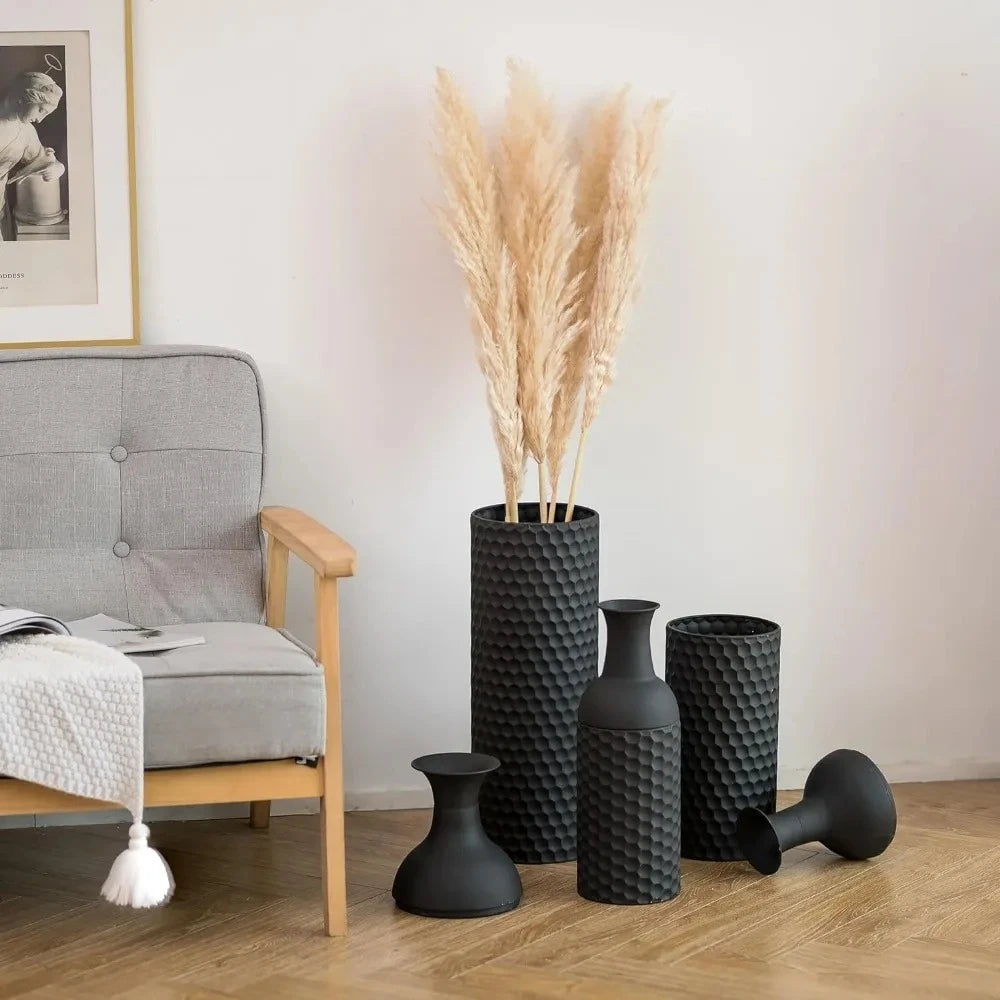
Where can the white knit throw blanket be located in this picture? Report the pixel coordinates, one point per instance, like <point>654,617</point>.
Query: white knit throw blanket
<point>71,716</point>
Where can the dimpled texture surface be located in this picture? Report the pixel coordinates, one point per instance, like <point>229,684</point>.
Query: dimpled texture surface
<point>534,651</point>
<point>629,821</point>
<point>726,685</point>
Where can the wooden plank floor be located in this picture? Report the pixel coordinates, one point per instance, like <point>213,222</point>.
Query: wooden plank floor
<point>923,921</point>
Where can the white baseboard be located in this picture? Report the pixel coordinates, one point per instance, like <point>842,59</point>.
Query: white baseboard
<point>910,770</point>
<point>388,798</point>
<point>420,798</point>
<point>788,777</point>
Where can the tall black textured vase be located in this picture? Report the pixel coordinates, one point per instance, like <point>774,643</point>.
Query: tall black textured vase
<point>723,670</point>
<point>629,771</point>
<point>534,650</point>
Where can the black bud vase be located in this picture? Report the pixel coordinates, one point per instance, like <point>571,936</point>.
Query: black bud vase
<point>628,771</point>
<point>457,871</point>
<point>847,805</point>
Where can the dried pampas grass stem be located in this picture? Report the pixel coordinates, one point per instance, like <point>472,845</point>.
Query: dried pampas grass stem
<point>599,149</point>
<point>470,221</point>
<point>615,267</point>
<point>538,188</point>
<point>575,483</point>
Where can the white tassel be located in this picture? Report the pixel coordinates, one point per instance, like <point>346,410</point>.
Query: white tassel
<point>139,877</point>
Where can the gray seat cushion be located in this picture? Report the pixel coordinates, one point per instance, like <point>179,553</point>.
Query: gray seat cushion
<point>248,693</point>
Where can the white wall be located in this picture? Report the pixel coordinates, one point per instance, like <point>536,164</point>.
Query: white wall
<point>805,424</point>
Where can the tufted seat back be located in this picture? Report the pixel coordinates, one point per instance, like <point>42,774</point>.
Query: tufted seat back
<point>130,483</point>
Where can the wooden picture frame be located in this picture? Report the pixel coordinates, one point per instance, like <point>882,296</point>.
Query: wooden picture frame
<point>73,281</point>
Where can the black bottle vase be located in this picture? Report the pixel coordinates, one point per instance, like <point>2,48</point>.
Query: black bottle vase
<point>534,650</point>
<point>723,670</point>
<point>628,771</point>
<point>847,805</point>
<point>457,871</point>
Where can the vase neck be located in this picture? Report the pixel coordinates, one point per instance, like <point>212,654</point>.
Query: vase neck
<point>628,655</point>
<point>801,823</point>
<point>456,799</point>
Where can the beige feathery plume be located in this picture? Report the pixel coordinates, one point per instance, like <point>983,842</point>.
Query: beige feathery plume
<point>537,194</point>
<point>616,266</point>
<point>614,278</point>
<point>600,146</point>
<point>470,221</point>
<point>647,142</point>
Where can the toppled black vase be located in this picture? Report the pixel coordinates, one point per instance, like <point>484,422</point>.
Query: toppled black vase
<point>847,805</point>
<point>457,871</point>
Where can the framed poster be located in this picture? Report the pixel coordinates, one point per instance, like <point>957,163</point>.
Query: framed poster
<point>68,253</point>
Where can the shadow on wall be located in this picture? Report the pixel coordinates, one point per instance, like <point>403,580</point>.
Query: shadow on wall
<point>900,407</point>
<point>377,309</point>
<point>413,340</point>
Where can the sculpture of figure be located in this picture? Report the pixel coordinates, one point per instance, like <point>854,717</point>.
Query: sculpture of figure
<point>29,99</point>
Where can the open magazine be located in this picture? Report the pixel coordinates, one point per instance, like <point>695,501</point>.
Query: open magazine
<point>17,621</point>
<point>119,635</point>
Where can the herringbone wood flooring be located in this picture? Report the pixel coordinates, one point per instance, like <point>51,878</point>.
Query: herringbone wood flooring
<point>923,921</point>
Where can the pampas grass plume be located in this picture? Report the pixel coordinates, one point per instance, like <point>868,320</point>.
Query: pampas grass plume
<point>538,191</point>
<point>548,250</point>
<point>470,221</point>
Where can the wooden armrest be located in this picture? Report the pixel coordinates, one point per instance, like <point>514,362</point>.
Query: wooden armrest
<point>328,554</point>
<point>331,557</point>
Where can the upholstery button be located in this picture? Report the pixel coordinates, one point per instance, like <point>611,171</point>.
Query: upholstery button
<point>121,549</point>
<point>118,453</point>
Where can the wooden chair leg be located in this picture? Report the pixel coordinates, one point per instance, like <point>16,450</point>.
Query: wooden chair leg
<point>334,860</point>
<point>332,804</point>
<point>260,814</point>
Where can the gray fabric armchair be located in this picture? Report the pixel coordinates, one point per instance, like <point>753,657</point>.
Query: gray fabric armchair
<point>130,484</point>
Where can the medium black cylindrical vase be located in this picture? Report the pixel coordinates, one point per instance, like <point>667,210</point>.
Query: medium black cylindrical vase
<point>629,771</point>
<point>534,650</point>
<point>457,871</point>
<point>723,670</point>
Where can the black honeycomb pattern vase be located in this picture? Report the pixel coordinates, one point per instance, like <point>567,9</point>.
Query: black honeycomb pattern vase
<point>630,815</point>
<point>534,650</point>
<point>628,770</point>
<point>723,670</point>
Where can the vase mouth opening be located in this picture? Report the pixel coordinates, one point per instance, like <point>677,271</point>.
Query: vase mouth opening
<point>527,515</point>
<point>455,763</point>
<point>629,606</point>
<point>722,626</point>
<point>758,840</point>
